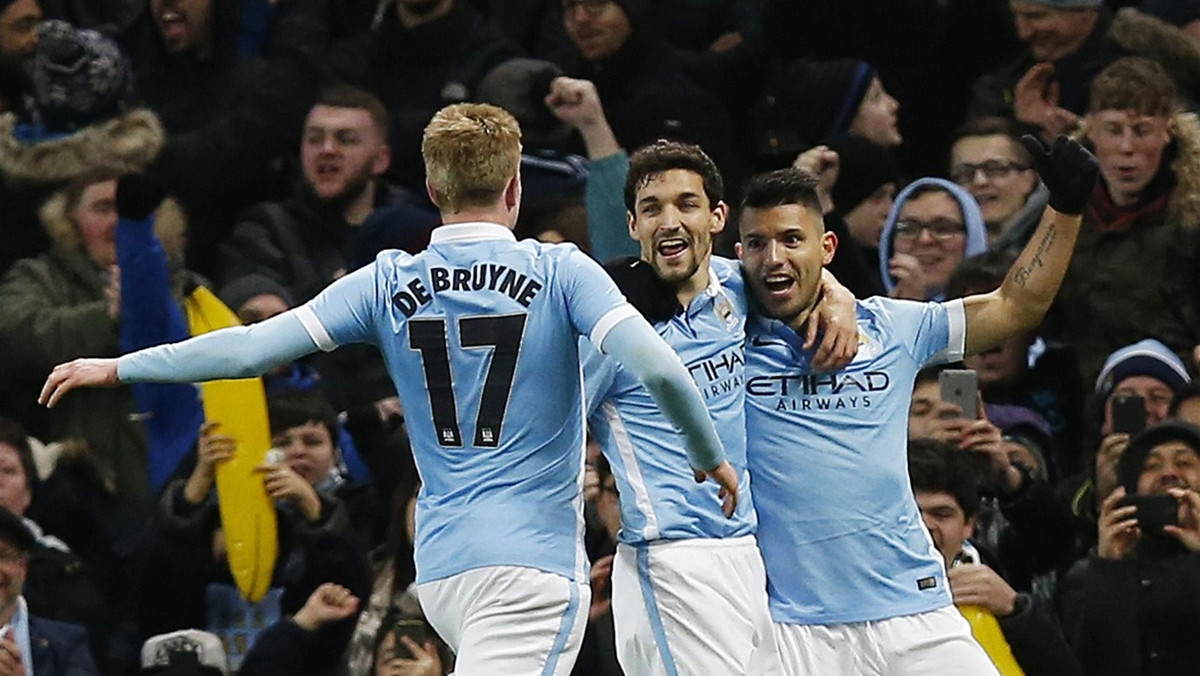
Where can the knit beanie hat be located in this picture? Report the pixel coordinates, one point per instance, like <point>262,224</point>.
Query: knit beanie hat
<point>864,167</point>
<point>1144,358</point>
<point>823,96</point>
<point>1133,460</point>
<point>79,77</point>
<point>520,86</point>
<point>237,292</point>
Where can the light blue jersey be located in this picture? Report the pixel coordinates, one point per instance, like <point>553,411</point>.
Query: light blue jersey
<point>839,528</point>
<point>480,335</point>
<point>659,497</point>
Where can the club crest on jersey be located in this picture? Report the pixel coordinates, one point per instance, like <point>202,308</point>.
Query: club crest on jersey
<point>725,313</point>
<point>868,348</point>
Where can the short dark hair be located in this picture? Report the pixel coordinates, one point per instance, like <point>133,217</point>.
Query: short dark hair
<point>1133,83</point>
<point>349,96</point>
<point>291,408</point>
<point>780,187</point>
<point>937,467</point>
<point>662,156</point>
<point>979,274</point>
<point>995,126</point>
<point>14,435</point>
<point>14,531</point>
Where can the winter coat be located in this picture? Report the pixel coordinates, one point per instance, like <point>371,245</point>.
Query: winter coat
<point>1140,280</point>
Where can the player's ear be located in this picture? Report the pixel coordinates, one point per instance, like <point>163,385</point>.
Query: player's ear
<point>720,217</point>
<point>432,194</point>
<point>829,243</point>
<point>737,249</point>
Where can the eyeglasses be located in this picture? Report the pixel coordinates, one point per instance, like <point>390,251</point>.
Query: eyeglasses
<point>592,8</point>
<point>965,173</point>
<point>939,229</point>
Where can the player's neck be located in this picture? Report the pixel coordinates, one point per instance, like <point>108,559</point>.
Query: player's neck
<point>687,289</point>
<point>489,215</point>
<point>797,323</point>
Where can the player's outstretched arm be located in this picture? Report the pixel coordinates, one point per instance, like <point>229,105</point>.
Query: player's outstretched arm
<point>635,344</point>
<point>235,352</point>
<point>1069,172</point>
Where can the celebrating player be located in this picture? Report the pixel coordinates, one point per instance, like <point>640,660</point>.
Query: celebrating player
<point>480,333</point>
<point>855,583</point>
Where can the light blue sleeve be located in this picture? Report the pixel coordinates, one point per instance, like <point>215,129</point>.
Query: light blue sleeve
<point>235,352</point>
<point>599,372</point>
<point>594,303</point>
<point>604,199</point>
<point>933,333</point>
<point>345,311</point>
<point>639,348</point>
<point>340,314</point>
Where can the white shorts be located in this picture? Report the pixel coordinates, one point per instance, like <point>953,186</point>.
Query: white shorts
<point>936,643</point>
<point>508,620</point>
<point>685,607</point>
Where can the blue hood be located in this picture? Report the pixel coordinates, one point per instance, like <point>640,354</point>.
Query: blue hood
<point>976,230</point>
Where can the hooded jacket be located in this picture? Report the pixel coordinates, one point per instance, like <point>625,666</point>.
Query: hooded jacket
<point>53,307</point>
<point>1136,277</point>
<point>973,220</point>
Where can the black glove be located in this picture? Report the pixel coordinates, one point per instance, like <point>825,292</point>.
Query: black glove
<point>1068,169</point>
<point>138,195</point>
<point>643,288</point>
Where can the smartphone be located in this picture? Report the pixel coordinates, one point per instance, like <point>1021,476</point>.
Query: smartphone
<point>961,387</point>
<point>414,630</point>
<point>1153,511</point>
<point>1128,414</point>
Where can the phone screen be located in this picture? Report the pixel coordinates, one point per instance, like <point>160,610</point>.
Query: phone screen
<point>961,388</point>
<point>1128,414</point>
<point>414,630</point>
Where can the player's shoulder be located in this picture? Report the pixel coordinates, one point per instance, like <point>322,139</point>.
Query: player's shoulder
<point>893,308</point>
<point>727,269</point>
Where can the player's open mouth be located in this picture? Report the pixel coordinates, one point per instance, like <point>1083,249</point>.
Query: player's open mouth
<point>778,285</point>
<point>173,24</point>
<point>670,248</point>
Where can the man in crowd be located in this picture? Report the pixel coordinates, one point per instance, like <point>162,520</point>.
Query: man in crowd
<point>19,20</point>
<point>989,161</point>
<point>1131,605</point>
<point>946,488</point>
<point>303,242</point>
<point>33,644</point>
<point>503,578</point>
<point>848,560</point>
<point>1132,276</point>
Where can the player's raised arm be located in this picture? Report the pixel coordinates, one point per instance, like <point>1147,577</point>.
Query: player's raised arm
<point>1069,172</point>
<point>640,349</point>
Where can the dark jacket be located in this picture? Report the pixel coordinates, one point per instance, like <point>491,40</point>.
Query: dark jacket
<point>59,649</point>
<point>648,94</point>
<point>302,243</point>
<point>177,565</point>
<point>416,72</point>
<point>1129,33</point>
<point>1137,616</point>
<point>1135,272</point>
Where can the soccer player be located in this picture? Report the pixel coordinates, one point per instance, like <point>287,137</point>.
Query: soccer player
<point>855,584</point>
<point>689,588</point>
<point>480,333</point>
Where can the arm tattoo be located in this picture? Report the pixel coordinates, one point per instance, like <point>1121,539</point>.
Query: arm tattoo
<point>1021,273</point>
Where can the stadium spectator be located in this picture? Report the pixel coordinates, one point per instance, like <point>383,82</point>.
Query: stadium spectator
<point>989,161</point>
<point>933,226</point>
<point>1131,277</point>
<point>947,494</point>
<point>1129,606</point>
<point>19,20</point>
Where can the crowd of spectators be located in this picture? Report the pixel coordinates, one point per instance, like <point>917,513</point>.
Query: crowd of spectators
<point>265,148</point>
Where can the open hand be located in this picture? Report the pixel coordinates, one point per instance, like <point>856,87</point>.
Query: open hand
<point>77,373</point>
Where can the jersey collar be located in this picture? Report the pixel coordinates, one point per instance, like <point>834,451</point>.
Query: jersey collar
<point>470,232</point>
